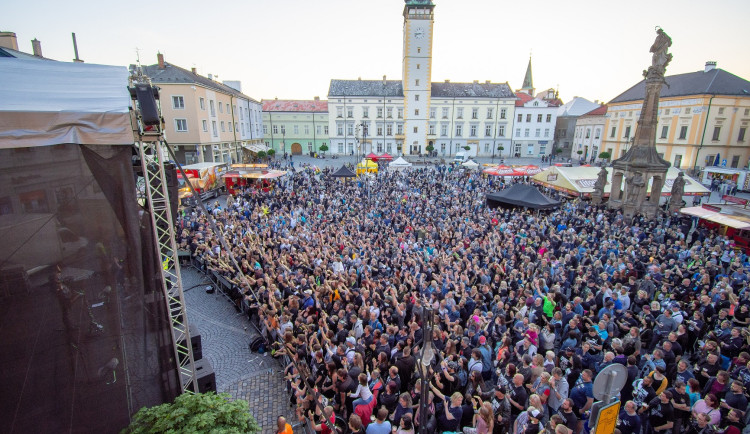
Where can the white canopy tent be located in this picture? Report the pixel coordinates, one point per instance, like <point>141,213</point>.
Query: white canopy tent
<point>399,164</point>
<point>470,165</point>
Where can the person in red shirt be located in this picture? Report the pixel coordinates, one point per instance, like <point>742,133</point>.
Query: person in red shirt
<point>326,425</point>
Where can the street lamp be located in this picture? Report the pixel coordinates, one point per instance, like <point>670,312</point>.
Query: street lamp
<point>283,140</point>
<point>426,356</point>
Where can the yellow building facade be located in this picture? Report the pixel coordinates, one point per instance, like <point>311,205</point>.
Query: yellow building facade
<point>702,115</point>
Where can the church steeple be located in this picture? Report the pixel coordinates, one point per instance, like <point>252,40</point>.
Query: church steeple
<point>528,82</point>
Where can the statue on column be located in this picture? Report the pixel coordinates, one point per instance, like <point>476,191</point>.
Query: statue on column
<point>601,181</point>
<point>678,190</point>
<point>660,58</point>
<point>635,183</point>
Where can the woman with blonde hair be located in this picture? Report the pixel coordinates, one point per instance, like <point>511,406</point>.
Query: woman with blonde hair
<point>483,420</point>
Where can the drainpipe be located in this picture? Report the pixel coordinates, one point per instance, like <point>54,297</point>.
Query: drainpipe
<point>703,136</point>
<point>453,114</point>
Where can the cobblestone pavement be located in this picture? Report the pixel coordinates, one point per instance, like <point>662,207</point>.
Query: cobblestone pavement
<point>225,335</point>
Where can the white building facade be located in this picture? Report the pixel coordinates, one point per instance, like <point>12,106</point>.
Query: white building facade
<point>533,128</point>
<point>413,115</point>
<point>589,134</point>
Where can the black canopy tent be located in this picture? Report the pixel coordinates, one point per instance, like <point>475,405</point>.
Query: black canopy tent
<point>344,172</point>
<point>522,195</point>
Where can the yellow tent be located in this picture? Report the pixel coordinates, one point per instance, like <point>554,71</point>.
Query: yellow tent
<point>579,181</point>
<point>367,166</point>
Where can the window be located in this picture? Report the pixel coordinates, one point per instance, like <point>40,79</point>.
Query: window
<point>416,82</point>
<point>222,127</point>
<point>380,130</point>
<point>747,112</point>
<point>416,97</point>
<point>664,131</point>
<point>180,125</point>
<point>295,128</point>
<point>433,112</point>
<point>445,112</point>
<point>416,112</point>
<point>597,133</point>
<point>202,103</point>
<point>677,161</point>
<point>717,133</point>
<point>475,113</point>
<point>741,135</point>
<point>416,130</point>
<point>530,150</point>
<point>460,113</point>
<point>473,131</point>
<point>276,129</point>
<point>721,110</point>
<point>518,132</point>
<point>443,130</point>
<point>627,132</point>
<point>546,132</point>
<point>683,132</point>
<point>380,112</point>
<point>265,130</point>
<point>211,106</point>
<point>339,112</point>
<point>365,112</point>
<point>350,129</point>
<point>417,65</point>
<point>542,149</point>
<point>549,118</point>
<point>528,117</point>
<point>488,130</point>
<point>307,130</point>
<point>501,131</point>
<point>341,148</point>
<point>221,110</point>
<point>459,130</point>
<point>400,113</point>
<point>213,127</point>
<point>283,130</point>
<point>230,126</point>
<point>389,112</point>
<point>339,130</point>
<point>666,111</point>
<point>399,129</point>
<point>389,129</point>
<point>318,129</point>
<point>526,132</point>
<point>432,130</point>
<point>503,112</point>
<point>350,112</point>
<point>520,117</point>
<point>735,161</point>
<point>486,148</point>
<point>489,112</point>
<point>325,129</point>
<point>588,133</point>
<point>178,102</point>
<point>228,109</point>
<point>539,117</point>
<point>538,132</point>
<point>205,126</point>
<point>687,110</point>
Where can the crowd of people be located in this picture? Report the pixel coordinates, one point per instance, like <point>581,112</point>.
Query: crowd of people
<point>526,307</point>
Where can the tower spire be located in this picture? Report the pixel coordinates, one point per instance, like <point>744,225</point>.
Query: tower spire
<point>528,82</point>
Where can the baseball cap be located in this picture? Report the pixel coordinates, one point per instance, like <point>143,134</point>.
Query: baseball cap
<point>351,340</point>
<point>500,389</point>
<point>535,413</point>
<point>482,340</point>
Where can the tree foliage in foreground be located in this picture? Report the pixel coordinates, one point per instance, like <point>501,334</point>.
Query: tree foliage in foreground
<point>195,413</point>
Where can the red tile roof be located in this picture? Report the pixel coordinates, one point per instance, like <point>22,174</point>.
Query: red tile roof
<point>523,98</point>
<point>294,105</point>
<point>599,111</point>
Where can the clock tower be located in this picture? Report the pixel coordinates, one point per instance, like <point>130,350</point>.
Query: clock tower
<point>417,73</point>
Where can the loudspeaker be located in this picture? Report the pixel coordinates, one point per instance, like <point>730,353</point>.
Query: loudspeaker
<point>170,173</point>
<point>204,376</point>
<point>147,96</point>
<point>195,342</point>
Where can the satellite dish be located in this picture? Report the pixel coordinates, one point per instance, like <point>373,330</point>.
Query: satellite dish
<point>610,381</point>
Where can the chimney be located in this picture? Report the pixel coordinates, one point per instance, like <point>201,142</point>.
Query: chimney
<point>447,81</point>
<point>710,66</point>
<point>317,98</point>
<point>194,71</point>
<point>384,80</point>
<point>160,58</point>
<point>210,76</point>
<point>359,78</point>
<point>36,46</point>
<point>8,40</point>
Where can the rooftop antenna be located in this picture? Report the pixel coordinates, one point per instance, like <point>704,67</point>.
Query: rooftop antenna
<point>138,56</point>
<point>75,49</point>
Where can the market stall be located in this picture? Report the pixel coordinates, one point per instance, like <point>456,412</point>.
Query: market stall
<point>367,166</point>
<point>399,164</point>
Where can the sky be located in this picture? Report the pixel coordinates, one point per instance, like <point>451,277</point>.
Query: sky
<point>291,49</point>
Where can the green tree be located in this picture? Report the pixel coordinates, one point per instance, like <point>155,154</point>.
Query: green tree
<point>194,413</point>
<point>430,148</point>
<point>467,148</point>
<point>605,155</point>
<point>271,152</point>
<point>261,155</point>
<point>501,148</point>
<point>579,152</point>
<point>323,148</point>
<point>558,151</point>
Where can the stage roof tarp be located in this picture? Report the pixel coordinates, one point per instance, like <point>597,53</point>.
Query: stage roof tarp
<point>717,217</point>
<point>522,195</point>
<point>344,172</point>
<point>580,180</point>
<point>45,103</point>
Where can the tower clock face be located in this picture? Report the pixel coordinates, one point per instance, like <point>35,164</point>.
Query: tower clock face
<point>419,33</point>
